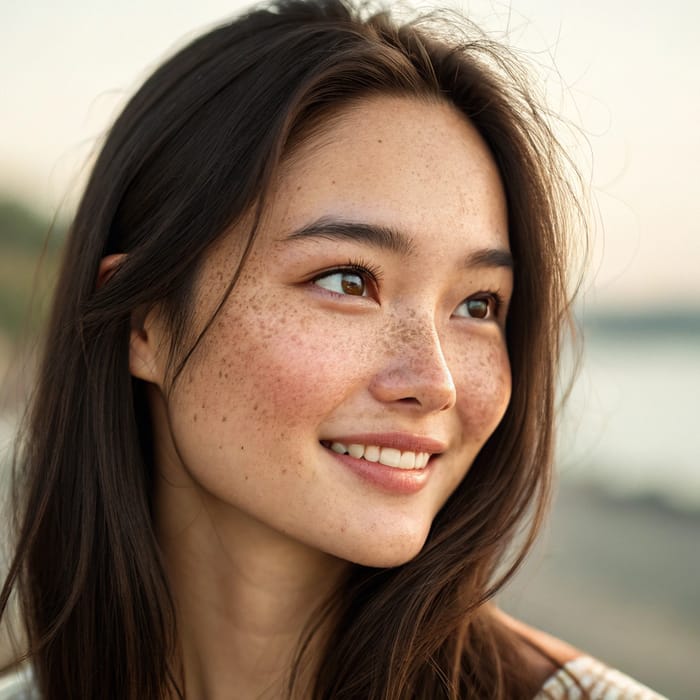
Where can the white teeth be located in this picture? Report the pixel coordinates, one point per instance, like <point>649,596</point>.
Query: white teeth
<point>408,460</point>
<point>356,450</point>
<point>389,456</point>
<point>372,453</point>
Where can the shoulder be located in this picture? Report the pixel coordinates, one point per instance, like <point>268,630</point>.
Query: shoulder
<point>18,685</point>
<point>600,682</point>
<point>542,654</point>
<point>564,671</point>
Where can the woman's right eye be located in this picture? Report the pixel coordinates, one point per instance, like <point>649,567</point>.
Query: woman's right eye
<point>346,282</point>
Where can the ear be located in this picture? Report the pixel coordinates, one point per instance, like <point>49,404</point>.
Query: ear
<point>108,266</point>
<point>146,345</point>
<point>145,339</point>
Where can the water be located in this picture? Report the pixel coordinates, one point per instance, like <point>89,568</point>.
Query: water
<point>632,424</point>
<point>633,421</point>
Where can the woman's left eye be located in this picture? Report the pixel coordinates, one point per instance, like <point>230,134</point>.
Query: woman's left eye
<point>346,282</point>
<point>483,307</point>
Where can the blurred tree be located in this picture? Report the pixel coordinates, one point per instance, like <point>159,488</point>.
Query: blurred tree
<point>29,248</point>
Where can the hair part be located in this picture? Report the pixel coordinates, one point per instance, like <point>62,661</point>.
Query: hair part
<point>195,151</point>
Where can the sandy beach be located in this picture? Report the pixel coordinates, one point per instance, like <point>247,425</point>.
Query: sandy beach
<point>620,579</point>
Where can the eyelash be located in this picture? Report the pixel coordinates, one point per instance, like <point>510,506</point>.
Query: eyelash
<point>373,274</point>
<point>489,295</point>
<point>369,272</point>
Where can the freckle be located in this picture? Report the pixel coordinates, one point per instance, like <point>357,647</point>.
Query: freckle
<point>220,275</point>
<point>195,417</point>
<point>284,471</point>
<point>242,448</point>
<point>221,447</point>
<point>220,374</point>
<point>255,407</point>
<point>332,182</point>
<point>202,404</point>
<point>342,528</point>
<point>246,477</point>
<point>224,419</point>
<point>298,187</point>
<point>379,141</point>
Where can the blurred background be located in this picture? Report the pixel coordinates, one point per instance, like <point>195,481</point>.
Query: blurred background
<point>618,571</point>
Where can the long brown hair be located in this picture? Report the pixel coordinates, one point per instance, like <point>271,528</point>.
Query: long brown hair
<point>193,151</point>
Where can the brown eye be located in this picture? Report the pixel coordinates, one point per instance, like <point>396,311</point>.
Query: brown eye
<point>478,308</point>
<point>482,308</point>
<point>343,282</point>
<point>352,283</point>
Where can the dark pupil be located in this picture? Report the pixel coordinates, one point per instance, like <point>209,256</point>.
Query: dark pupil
<point>478,308</point>
<point>353,284</point>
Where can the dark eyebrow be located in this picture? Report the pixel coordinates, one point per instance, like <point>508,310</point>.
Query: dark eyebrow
<point>382,237</point>
<point>391,239</point>
<point>490,257</point>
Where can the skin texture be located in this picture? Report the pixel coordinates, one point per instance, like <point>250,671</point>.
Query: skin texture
<point>257,519</point>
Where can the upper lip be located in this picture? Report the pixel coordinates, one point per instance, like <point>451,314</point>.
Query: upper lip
<point>406,442</point>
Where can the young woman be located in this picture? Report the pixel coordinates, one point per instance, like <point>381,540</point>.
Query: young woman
<point>296,400</point>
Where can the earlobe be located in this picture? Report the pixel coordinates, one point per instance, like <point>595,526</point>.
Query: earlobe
<point>144,340</point>
<point>144,348</point>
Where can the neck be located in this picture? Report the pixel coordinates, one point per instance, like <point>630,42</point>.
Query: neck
<point>243,593</point>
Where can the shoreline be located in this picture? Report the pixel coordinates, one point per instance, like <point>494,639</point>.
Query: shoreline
<point>619,578</point>
<point>614,574</point>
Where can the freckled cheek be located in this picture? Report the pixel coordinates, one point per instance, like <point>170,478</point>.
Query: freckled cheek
<point>288,366</point>
<point>483,382</point>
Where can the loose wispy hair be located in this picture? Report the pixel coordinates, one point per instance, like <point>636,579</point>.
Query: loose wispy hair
<point>194,151</point>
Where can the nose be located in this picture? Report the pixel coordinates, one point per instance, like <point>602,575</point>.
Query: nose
<point>415,371</point>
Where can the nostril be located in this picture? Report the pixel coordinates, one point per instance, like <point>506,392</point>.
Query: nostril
<point>411,400</point>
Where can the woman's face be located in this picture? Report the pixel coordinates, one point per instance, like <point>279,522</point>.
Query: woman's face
<point>368,320</point>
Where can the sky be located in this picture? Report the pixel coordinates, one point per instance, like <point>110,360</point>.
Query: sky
<point>625,76</point>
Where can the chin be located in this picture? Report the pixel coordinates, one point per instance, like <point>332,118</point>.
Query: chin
<point>386,551</point>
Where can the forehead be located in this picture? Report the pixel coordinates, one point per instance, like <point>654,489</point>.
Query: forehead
<point>411,164</point>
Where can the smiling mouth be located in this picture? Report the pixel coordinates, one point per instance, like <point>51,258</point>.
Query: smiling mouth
<point>388,456</point>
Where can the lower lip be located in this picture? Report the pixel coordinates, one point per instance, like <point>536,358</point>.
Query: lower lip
<point>391,479</point>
